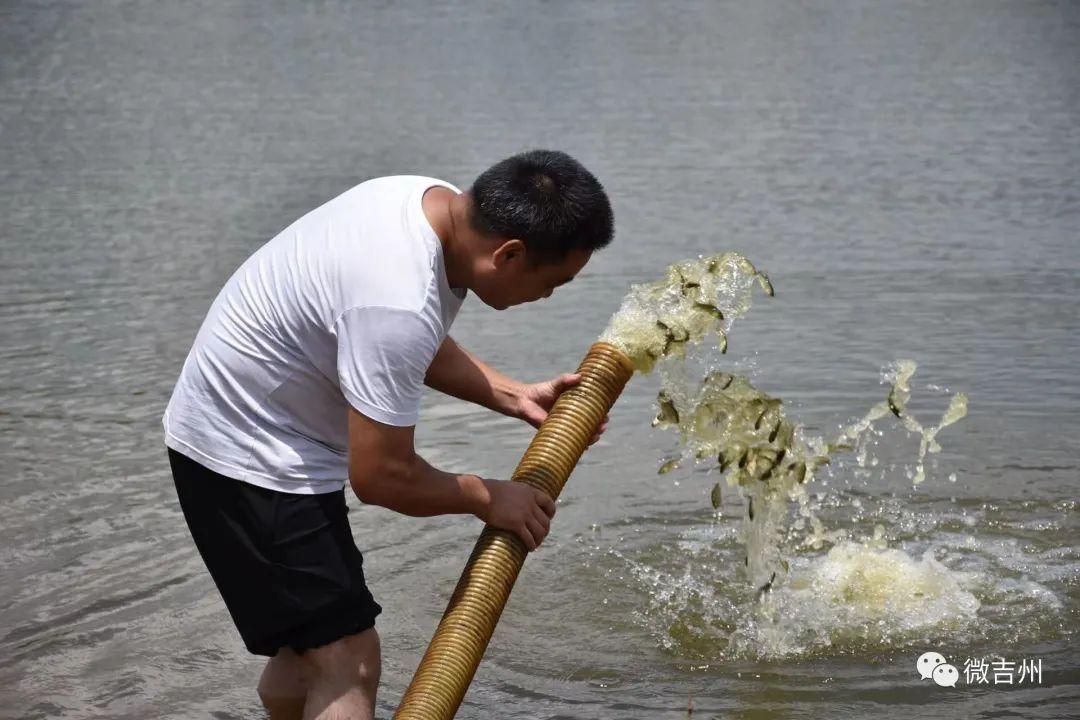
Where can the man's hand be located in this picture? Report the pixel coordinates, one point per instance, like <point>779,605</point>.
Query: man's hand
<point>457,372</point>
<point>519,508</point>
<point>534,402</point>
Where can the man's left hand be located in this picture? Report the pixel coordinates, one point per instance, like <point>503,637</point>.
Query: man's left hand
<point>535,401</point>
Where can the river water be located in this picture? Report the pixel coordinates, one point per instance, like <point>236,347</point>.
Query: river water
<point>907,173</point>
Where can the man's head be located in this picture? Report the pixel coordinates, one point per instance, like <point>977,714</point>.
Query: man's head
<point>533,221</point>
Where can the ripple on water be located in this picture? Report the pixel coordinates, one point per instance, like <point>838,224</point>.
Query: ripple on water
<point>859,598</point>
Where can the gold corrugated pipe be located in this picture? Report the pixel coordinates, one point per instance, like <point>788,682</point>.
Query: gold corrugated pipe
<point>459,643</point>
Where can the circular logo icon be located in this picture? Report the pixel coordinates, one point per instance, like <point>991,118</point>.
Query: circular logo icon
<point>927,662</point>
<point>946,675</point>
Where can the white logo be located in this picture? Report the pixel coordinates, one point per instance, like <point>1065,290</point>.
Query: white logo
<point>927,662</point>
<point>979,671</point>
<point>946,675</point>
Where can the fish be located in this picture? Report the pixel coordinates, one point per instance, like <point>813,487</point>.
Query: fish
<point>762,462</point>
<point>715,497</point>
<point>784,433</point>
<point>772,408</point>
<point>895,404</point>
<point>668,414</point>
<point>733,454</point>
<point>674,330</point>
<point>775,431</point>
<point>711,309</point>
<point>668,466</point>
<point>766,587</point>
<point>768,460</point>
<point>765,283</point>
<point>719,380</point>
<point>750,509</point>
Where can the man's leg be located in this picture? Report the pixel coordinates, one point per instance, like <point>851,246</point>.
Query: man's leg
<point>342,678</point>
<point>282,687</point>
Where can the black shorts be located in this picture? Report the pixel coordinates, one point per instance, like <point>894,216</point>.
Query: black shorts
<point>286,564</point>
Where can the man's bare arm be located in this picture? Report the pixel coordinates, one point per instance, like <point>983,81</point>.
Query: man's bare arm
<point>457,372</point>
<point>385,470</point>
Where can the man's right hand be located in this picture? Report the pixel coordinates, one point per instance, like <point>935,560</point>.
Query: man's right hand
<point>518,508</point>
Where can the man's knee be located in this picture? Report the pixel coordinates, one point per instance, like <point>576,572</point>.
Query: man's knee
<point>353,660</point>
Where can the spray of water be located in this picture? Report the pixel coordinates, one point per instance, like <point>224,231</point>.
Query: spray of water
<point>770,460</point>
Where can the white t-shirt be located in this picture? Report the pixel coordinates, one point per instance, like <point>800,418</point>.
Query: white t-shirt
<point>346,306</point>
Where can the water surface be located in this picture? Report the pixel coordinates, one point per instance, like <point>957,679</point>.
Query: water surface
<point>906,172</point>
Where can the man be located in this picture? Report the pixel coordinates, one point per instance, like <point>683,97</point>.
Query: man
<point>308,372</point>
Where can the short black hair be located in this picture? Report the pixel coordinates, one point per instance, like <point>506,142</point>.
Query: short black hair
<point>546,199</point>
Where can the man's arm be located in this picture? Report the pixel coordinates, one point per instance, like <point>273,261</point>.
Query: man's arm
<point>457,372</point>
<point>385,470</point>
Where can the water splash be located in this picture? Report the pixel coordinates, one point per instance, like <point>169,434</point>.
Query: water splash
<point>857,588</point>
<point>860,595</point>
<point>696,298</point>
<point>898,374</point>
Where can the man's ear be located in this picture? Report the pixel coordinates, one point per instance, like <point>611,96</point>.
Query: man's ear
<point>509,251</point>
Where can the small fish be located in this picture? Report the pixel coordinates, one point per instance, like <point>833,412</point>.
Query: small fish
<point>765,283</point>
<point>719,380</point>
<point>668,466</point>
<point>750,509</point>
<point>766,587</point>
<point>734,453</point>
<point>711,309</point>
<point>721,338</point>
<point>895,403</point>
<point>668,414</point>
<point>715,497</point>
<point>762,463</point>
<point>798,470</point>
<point>785,434</point>
<point>784,564</point>
<point>674,330</point>
<point>771,410</point>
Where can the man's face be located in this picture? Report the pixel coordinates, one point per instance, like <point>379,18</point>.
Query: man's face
<point>511,278</point>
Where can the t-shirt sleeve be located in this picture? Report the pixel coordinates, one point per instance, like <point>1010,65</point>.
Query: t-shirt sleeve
<point>383,355</point>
